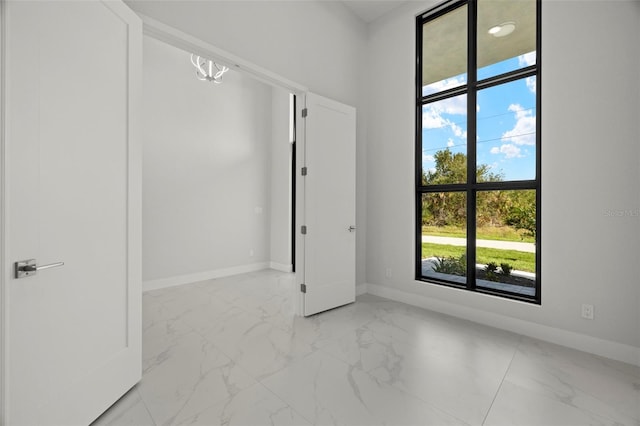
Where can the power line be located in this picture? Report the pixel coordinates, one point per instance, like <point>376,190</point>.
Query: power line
<point>479,142</point>
<point>457,123</point>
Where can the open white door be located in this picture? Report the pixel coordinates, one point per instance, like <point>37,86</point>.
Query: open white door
<point>71,340</point>
<point>329,204</point>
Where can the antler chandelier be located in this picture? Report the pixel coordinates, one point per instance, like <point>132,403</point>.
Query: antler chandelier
<point>207,70</point>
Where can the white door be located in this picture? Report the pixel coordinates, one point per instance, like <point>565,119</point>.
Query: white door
<point>329,204</point>
<point>71,183</point>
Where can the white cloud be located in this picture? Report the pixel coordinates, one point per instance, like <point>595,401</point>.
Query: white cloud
<point>432,119</point>
<point>509,151</point>
<point>524,131</point>
<point>450,142</point>
<point>531,84</point>
<point>457,130</point>
<point>428,158</point>
<point>454,106</point>
<point>527,59</point>
<point>447,83</point>
<point>432,115</point>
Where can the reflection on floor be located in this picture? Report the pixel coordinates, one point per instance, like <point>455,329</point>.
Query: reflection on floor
<point>230,352</point>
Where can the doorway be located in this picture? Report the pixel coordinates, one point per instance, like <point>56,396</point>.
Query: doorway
<point>217,183</point>
<point>292,137</point>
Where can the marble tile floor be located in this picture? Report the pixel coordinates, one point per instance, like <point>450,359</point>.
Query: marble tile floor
<point>231,352</point>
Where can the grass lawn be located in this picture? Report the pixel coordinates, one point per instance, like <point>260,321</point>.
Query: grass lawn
<point>501,233</point>
<point>520,261</point>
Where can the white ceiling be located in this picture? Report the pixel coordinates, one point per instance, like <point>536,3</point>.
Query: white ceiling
<point>369,10</point>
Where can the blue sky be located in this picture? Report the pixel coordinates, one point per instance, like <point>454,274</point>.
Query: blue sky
<point>505,122</point>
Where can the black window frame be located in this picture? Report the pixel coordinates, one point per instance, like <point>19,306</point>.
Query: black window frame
<point>471,187</point>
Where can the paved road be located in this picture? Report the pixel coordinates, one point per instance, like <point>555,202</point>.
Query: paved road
<point>502,245</point>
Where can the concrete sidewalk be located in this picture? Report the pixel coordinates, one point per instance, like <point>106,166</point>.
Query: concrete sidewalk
<point>501,245</point>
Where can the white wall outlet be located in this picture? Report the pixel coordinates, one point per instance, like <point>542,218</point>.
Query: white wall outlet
<point>388,273</point>
<point>258,210</point>
<point>587,311</point>
<point>251,253</point>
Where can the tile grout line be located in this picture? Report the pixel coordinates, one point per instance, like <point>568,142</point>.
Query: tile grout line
<point>515,351</point>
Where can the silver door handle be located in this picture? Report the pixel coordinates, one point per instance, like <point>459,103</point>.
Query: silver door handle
<point>351,228</point>
<point>27,268</point>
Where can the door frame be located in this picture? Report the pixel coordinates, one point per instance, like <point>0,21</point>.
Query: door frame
<point>3,175</point>
<point>184,41</point>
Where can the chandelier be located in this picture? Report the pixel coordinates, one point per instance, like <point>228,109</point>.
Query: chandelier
<point>207,70</point>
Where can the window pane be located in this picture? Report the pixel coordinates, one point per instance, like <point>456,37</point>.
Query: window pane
<point>505,241</point>
<point>506,131</point>
<point>444,52</point>
<point>444,236</point>
<point>506,36</point>
<point>444,141</point>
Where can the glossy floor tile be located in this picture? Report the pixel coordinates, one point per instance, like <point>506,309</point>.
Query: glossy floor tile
<point>231,352</point>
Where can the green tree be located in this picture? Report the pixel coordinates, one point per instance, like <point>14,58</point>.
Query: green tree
<point>449,208</point>
<point>522,212</point>
<point>491,208</point>
<point>444,208</point>
<point>450,168</point>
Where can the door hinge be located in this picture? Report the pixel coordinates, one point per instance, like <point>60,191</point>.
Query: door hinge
<point>304,171</point>
<point>305,112</point>
<point>303,229</point>
<point>303,288</point>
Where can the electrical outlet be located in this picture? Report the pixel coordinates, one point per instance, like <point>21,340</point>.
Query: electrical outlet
<point>251,253</point>
<point>388,273</point>
<point>587,311</point>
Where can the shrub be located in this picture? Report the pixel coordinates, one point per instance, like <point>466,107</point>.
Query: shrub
<point>491,267</point>
<point>451,265</point>
<point>506,269</point>
<point>491,271</point>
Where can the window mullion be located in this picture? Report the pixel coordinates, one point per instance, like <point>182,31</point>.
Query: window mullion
<point>507,77</point>
<point>418,153</point>
<point>471,143</point>
<point>460,90</point>
<point>538,150</point>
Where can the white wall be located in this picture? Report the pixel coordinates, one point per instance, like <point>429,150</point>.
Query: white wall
<point>590,149</point>
<point>318,44</point>
<point>315,44</point>
<point>280,181</point>
<point>590,165</point>
<point>206,169</point>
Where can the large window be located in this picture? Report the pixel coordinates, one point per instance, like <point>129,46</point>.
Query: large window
<point>478,147</point>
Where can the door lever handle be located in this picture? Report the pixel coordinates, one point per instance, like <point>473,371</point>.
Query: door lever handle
<point>27,268</point>
<point>351,228</point>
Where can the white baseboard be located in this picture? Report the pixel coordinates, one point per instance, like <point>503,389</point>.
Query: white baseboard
<point>582,342</point>
<point>201,276</point>
<point>281,267</point>
<point>361,289</point>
